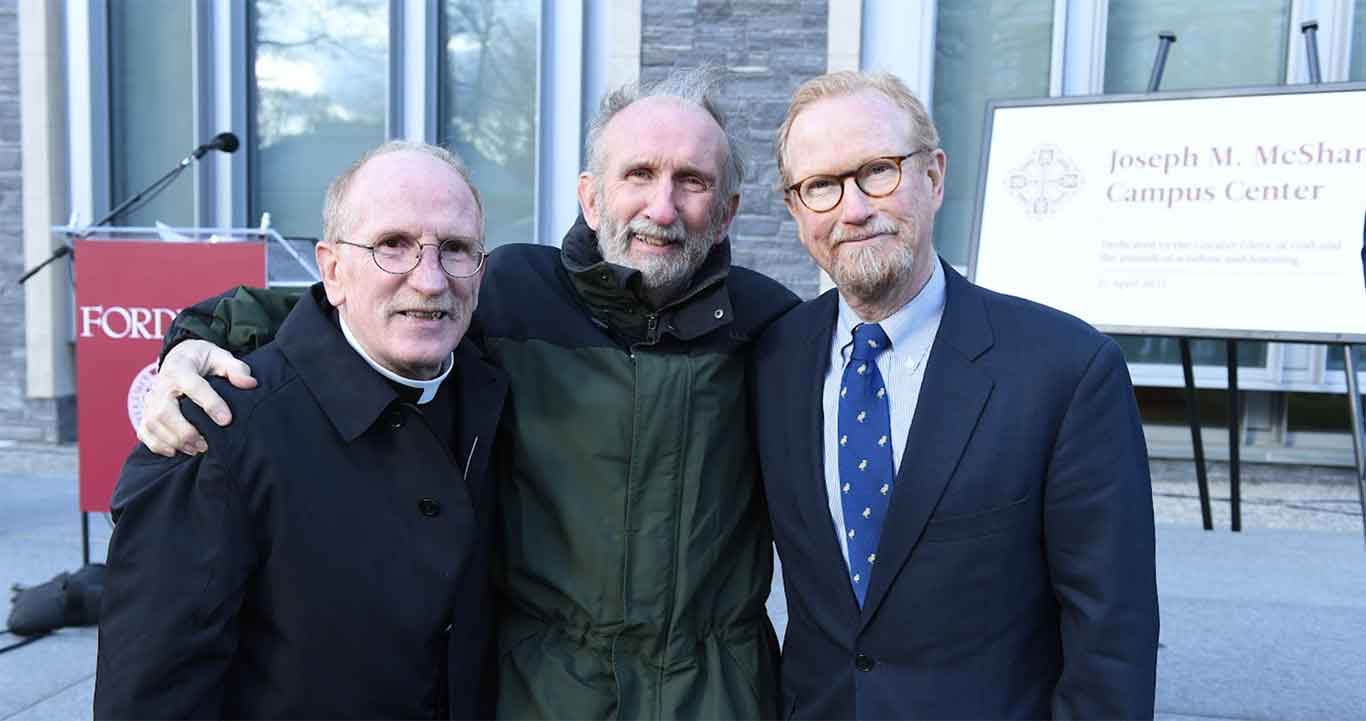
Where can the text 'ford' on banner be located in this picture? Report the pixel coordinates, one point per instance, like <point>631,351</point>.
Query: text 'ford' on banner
<point>1232,214</point>
<point>127,294</point>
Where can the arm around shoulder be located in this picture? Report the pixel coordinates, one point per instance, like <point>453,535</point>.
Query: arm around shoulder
<point>239,320</point>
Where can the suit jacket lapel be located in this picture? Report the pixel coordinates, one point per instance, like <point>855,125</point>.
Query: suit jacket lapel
<point>952,397</point>
<point>807,424</point>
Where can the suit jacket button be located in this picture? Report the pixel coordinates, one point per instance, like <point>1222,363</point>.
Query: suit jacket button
<point>429,507</point>
<point>396,419</point>
<point>863,662</point>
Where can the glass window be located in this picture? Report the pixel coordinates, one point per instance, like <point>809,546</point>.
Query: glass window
<point>1358,70</point>
<point>1167,407</point>
<point>320,91</point>
<point>489,109</point>
<point>151,106</point>
<point>1239,42</point>
<point>1236,42</point>
<point>1318,412</point>
<point>1159,349</point>
<point>1337,363</point>
<point>984,50</point>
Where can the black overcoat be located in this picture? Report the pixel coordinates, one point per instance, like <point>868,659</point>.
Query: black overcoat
<point>327,557</point>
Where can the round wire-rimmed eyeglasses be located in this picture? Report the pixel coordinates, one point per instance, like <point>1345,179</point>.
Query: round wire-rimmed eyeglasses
<point>458,258</point>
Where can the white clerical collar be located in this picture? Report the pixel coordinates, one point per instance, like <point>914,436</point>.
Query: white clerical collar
<point>428,388</point>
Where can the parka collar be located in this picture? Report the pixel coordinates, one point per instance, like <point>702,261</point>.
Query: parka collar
<point>612,292</point>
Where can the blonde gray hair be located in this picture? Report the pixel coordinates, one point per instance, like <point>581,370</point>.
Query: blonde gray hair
<point>847,82</point>
<point>337,217</point>
<point>698,86</point>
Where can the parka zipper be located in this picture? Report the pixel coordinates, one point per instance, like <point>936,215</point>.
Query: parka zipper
<point>652,328</point>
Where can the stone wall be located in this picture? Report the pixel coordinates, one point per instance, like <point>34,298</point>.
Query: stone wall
<point>21,418</point>
<point>770,47</point>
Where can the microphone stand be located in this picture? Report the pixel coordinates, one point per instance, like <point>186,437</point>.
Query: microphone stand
<point>62,250</point>
<point>148,193</point>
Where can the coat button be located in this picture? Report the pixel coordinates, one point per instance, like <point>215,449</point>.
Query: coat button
<point>429,507</point>
<point>864,662</point>
<point>396,420</point>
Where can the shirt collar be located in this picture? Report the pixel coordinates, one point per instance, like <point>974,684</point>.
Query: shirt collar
<point>428,387</point>
<point>912,326</point>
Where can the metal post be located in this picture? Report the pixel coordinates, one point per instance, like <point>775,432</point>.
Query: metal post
<point>85,538</point>
<point>1234,415</point>
<point>1197,442</point>
<point>1164,44</point>
<point>1310,29</point>
<point>1354,402</point>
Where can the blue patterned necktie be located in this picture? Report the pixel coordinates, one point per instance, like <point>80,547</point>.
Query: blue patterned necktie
<point>865,455</point>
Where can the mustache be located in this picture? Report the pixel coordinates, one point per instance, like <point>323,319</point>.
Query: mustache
<point>674,232</point>
<point>877,227</point>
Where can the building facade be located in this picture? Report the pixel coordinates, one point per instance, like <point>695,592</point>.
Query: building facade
<point>114,92</point>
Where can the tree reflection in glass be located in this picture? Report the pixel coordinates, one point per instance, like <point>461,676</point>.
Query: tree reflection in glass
<point>319,99</point>
<point>489,106</point>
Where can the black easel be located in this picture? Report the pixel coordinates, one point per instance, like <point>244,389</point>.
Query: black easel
<point>1310,28</point>
<point>1165,40</point>
<point>1164,43</point>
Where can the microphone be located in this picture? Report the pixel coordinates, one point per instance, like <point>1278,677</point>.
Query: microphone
<point>226,142</point>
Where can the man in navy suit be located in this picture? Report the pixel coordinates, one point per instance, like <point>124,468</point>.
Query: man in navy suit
<point>958,479</point>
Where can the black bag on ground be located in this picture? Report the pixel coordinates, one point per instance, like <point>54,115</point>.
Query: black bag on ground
<point>69,599</point>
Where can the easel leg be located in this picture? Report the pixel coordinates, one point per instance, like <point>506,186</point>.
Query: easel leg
<point>1354,405</point>
<point>1197,442</point>
<point>1234,415</point>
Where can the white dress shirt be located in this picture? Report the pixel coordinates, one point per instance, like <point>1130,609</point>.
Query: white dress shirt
<point>911,330</point>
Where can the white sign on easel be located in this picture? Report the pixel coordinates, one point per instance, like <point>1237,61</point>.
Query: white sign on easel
<point>1237,215</point>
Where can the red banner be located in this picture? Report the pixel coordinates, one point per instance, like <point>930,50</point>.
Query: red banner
<point>127,294</point>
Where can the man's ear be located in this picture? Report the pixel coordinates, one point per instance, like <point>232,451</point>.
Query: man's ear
<point>789,200</point>
<point>732,206</point>
<point>329,267</point>
<point>588,200</point>
<point>937,166</point>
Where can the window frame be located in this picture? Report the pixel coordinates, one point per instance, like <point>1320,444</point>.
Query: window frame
<point>222,53</point>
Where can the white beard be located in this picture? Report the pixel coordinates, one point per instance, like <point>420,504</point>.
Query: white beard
<point>870,273</point>
<point>662,275</point>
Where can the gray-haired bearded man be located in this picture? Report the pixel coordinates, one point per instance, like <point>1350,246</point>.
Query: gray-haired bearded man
<point>635,550</point>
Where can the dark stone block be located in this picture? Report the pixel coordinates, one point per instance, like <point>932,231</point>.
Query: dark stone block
<point>755,225</point>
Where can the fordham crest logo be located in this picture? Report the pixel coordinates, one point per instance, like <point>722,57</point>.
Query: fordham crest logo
<point>1044,181</point>
<point>137,392</point>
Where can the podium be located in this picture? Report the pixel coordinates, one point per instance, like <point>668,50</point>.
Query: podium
<point>129,285</point>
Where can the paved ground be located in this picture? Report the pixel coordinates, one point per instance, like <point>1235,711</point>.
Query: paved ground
<point>40,536</point>
<point>1266,624</point>
<point>1303,497</point>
